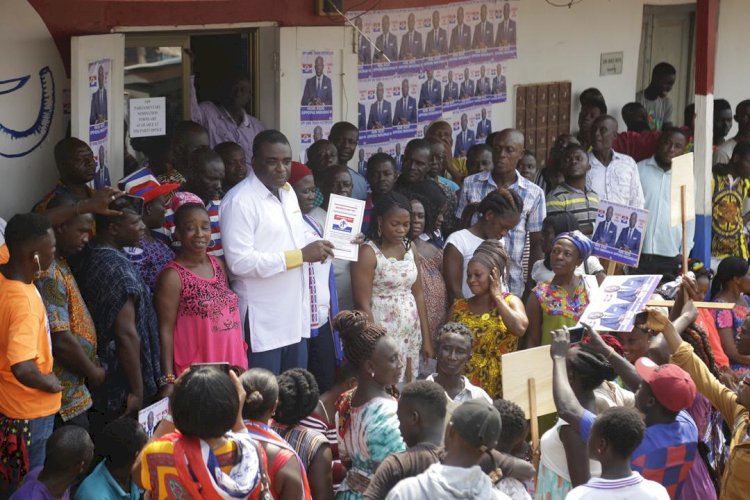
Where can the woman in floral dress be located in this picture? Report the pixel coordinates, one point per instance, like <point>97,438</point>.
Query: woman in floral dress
<point>495,319</point>
<point>386,284</point>
<point>561,301</point>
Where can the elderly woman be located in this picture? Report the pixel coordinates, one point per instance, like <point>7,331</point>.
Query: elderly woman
<point>561,301</point>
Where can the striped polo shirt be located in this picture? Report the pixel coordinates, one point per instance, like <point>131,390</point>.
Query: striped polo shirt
<point>582,205</point>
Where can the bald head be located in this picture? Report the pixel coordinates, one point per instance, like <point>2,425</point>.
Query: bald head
<point>603,134</point>
<point>507,149</point>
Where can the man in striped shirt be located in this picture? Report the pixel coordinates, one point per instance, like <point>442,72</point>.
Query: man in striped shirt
<point>572,195</point>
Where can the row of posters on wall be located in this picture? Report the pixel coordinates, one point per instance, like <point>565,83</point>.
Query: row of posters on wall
<point>417,66</point>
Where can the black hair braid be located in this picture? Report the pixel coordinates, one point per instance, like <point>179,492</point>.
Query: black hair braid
<point>358,335</point>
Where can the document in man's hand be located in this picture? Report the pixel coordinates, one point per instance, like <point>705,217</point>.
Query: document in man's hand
<point>343,224</point>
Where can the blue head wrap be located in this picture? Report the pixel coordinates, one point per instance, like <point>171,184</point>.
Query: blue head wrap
<point>584,245</point>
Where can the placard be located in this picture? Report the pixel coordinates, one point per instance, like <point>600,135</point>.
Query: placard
<point>619,298</point>
<point>682,175</point>
<point>148,116</point>
<point>518,368</point>
<point>343,224</point>
<point>150,416</point>
<point>618,234</point>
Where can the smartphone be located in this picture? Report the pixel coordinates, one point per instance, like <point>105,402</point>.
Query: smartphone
<point>224,367</point>
<point>137,202</point>
<point>576,334</point>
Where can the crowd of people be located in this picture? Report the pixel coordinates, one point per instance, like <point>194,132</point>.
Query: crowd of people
<point>204,277</point>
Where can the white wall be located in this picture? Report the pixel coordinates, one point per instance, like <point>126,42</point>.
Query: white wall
<point>26,47</point>
<point>732,70</point>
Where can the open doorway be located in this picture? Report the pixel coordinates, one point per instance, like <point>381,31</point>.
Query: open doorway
<point>668,35</point>
<point>157,65</point>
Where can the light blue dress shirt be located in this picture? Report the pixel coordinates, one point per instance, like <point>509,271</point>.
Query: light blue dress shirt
<point>660,237</point>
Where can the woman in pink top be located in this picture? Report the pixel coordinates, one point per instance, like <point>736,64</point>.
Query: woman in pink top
<point>199,315</point>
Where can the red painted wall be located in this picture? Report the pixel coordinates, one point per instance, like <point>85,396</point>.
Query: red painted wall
<point>66,18</point>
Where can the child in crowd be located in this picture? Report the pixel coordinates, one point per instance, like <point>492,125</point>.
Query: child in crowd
<point>527,166</point>
<point>69,453</point>
<point>615,435</point>
<point>479,158</point>
<point>119,444</point>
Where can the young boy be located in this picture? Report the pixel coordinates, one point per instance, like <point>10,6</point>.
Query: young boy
<point>615,435</point>
<point>654,97</point>
<point>527,166</point>
<point>479,158</point>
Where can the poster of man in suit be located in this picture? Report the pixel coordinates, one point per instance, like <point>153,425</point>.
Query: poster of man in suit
<point>618,233</point>
<point>318,90</point>
<point>431,63</point>
<point>99,137</point>
<point>316,103</point>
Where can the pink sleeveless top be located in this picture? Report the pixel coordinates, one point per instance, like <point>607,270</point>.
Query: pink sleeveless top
<point>208,327</point>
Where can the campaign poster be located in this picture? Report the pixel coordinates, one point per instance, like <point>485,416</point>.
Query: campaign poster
<point>311,132</point>
<point>150,416</point>
<point>618,233</point>
<point>99,77</point>
<point>316,101</point>
<point>451,59</point>
<point>614,305</point>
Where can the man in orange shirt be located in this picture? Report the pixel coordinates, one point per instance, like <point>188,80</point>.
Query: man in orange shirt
<point>29,391</point>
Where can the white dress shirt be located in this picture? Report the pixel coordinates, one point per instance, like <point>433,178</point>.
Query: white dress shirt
<point>262,237</point>
<point>618,182</point>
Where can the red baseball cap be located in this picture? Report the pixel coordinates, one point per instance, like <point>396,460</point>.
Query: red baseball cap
<point>672,386</point>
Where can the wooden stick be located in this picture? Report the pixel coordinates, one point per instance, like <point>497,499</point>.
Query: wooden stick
<point>408,370</point>
<point>698,305</point>
<point>611,268</point>
<point>535,451</point>
<point>683,213</point>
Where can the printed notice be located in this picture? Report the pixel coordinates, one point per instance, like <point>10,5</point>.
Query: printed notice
<point>343,224</point>
<point>148,117</point>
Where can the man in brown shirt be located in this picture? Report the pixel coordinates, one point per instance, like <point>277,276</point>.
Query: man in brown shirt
<point>421,414</point>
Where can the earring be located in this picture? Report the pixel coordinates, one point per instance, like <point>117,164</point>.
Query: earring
<point>38,274</point>
<point>380,233</point>
<point>372,374</point>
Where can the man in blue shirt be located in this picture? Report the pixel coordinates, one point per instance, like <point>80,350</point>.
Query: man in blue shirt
<point>662,241</point>
<point>120,443</point>
<point>670,443</point>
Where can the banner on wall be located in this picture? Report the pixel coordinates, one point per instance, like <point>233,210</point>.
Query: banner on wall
<point>316,103</point>
<point>417,66</point>
<point>99,74</point>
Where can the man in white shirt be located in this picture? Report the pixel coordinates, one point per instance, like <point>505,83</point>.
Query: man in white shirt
<point>613,176</point>
<point>265,244</point>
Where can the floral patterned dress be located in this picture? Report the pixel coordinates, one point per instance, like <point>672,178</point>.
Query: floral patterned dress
<point>732,319</point>
<point>394,307</point>
<point>491,341</point>
<point>558,308</point>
